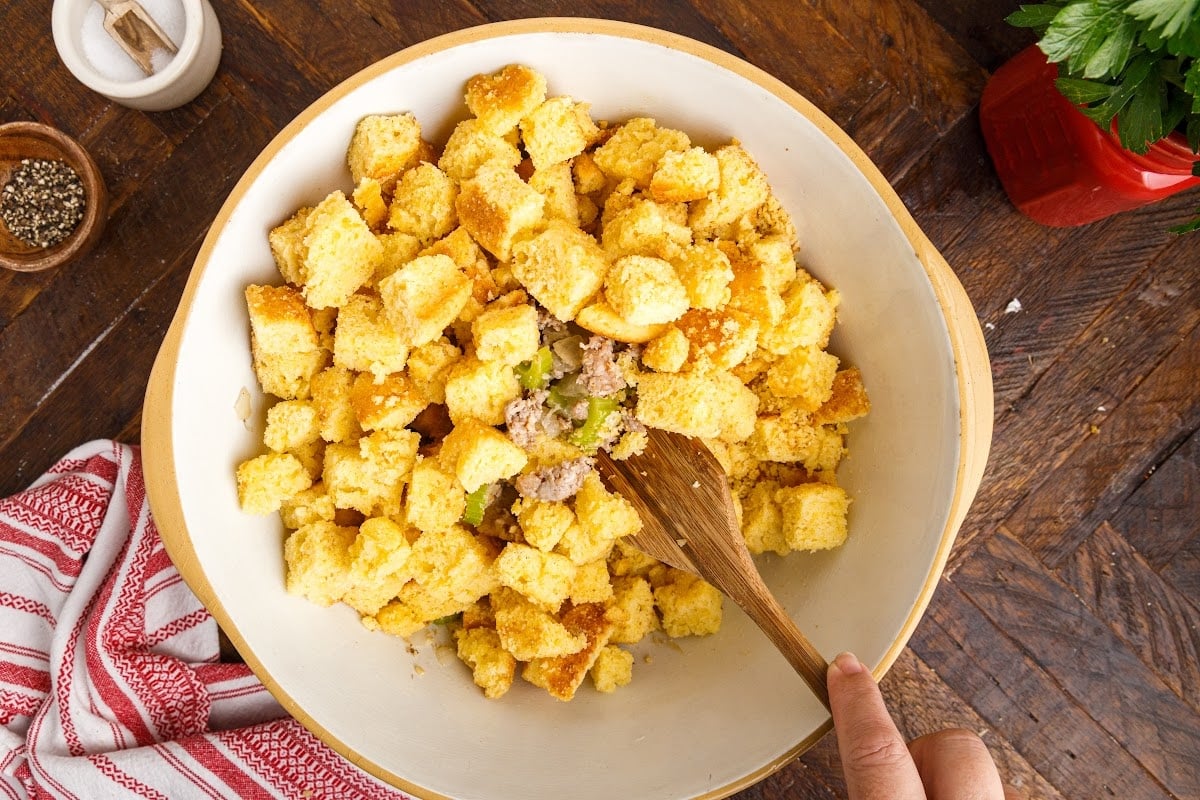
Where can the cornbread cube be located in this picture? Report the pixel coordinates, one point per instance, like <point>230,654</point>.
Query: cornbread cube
<point>752,289</point>
<point>814,515</point>
<point>369,475</point>
<point>340,252</point>
<point>808,318</point>
<point>378,560</point>
<point>635,148</point>
<point>668,352</point>
<point>806,374</point>
<point>398,250</point>
<point>631,443</point>
<point>788,438</point>
<point>424,296</point>
<point>604,514</point>
<point>645,290</point>
<point>366,340</point>
<point>265,482</point>
<point>582,545</point>
<point>591,583</point>
<point>508,335</point>
<point>331,396</point>
<point>612,670</point>
<point>556,185</point>
<point>762,520</point>
<point>681,177</point>
<point>471,146</point>
<point>772,219</point>
<point>317,561</point>
<point>496,207</point>
<point>645,228</point>
<point>848,399</point>
<point>429,367</point>
<point>602,319</point>
<point>705,272</point>
<point>722,339</point>
<point>310,505</point>
<point>453,566</point>
<point>589,178</point>
<point>633,605</point>
<point>435,500</point>
<point>625,560</point>
<point>285,348</point>
<point>561,676</point>
<point>712,406</point>
<point>383,146</point>
<point>368,199</point>
<point>562,268</point>
<point>480,389</point>
<point>397,619</point>
<point>543,522</point>
<point>743,188</point>
<point>311,456</point>
<point>390,402</point>
<point>287,246</point>
<point>557,130</point>
<point>689,606</point>
<point>777,257</point>
<point>492,667</point>
<point>479,615</point>
<point>478,454</point>
<point>544,578</point>
<point>291,424</point>
<point>501,99</point>
<point>528,631</point>
<point>423,203</point>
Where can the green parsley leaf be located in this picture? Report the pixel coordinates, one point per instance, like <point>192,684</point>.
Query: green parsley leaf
<point>1191,85</point>
<point>1037,16</point>
<point>1083,29</point>
<point>1141,123</point>
<point>1165,17</point>
<point>1083,92</point>
<point>1132,81</point>
<point>1188,227</point>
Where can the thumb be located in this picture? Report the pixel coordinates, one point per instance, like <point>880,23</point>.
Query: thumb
<point>874,755</point>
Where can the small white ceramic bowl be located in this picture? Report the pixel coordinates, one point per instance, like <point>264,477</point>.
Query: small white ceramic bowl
<point>714,714</point>
<point>179,82</point>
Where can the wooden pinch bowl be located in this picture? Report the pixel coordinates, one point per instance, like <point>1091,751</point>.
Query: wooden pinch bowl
<point>20,140</point>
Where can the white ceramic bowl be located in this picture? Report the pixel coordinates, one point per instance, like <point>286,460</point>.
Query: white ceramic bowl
<point>179,82</point>
<point>701,720</point>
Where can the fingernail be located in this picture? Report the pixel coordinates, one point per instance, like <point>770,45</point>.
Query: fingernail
<point>848,664</point>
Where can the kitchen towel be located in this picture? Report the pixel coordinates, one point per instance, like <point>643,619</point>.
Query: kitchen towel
<point>111,683</point>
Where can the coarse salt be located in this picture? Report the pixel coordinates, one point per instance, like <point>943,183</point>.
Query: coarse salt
<point>1013,307</point>
<point>107,57</point>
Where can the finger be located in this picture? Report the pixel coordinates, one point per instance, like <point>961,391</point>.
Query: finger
<point>874,757</point>
<point>955,765</point>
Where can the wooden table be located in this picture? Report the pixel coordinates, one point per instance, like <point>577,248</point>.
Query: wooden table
<point>1067,628</point>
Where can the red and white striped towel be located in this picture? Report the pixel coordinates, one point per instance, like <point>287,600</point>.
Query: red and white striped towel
<point>110,679</point>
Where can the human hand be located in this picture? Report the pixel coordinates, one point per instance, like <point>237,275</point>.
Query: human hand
<point>953,764</point>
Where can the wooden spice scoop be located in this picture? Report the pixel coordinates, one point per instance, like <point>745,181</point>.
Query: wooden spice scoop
<point>136,31</point>
<point>688,522</point>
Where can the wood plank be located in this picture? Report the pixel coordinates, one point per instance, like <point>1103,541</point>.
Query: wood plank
<point>1002,679</point>
<point>1098,470</point>
<point>1087,661</point>
<point>913,54</point>
<point>921,703</point>
<point>1156,621</point>
<point>1159,519</point>
<point>979,28</point>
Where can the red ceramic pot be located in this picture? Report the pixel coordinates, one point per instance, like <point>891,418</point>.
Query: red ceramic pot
<point>1057,166</point>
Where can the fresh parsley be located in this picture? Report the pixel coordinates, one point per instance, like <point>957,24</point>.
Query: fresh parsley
<point>1135,62</point>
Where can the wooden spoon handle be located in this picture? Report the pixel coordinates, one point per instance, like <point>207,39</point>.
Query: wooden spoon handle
<point>762,607</point>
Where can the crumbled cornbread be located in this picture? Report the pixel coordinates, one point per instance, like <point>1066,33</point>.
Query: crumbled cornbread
<point>456,339</point>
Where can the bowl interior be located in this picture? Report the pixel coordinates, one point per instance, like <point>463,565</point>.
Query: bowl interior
<point>702,717</point>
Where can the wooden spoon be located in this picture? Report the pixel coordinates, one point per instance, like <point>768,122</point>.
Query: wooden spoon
<point>688,521</point>
<point>136,32</point>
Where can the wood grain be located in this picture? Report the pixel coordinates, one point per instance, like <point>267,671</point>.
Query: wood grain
<point>1065,630</point>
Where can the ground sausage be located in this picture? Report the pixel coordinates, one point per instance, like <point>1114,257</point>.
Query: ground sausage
<point>599,373</point>
<point>557,482</point>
